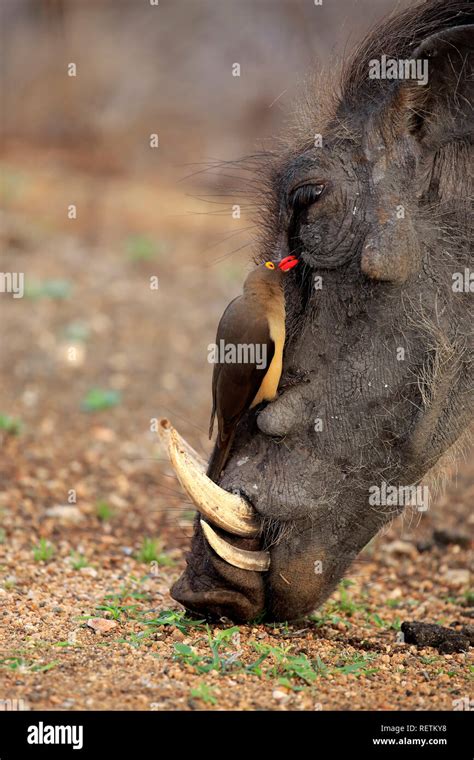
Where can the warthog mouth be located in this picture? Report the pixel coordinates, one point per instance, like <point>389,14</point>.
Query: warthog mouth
<point>230,512</point>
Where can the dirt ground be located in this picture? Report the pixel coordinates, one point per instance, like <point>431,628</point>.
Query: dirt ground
<point>94,528</point>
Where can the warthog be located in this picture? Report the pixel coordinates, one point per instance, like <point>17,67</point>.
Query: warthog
<point>377,378</point>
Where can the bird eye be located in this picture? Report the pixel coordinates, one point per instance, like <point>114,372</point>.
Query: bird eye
<point>305,195</point>
<point>270,265</point>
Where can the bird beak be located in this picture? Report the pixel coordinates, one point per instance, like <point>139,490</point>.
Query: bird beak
<point>288,263</point>
<point>227,511</point>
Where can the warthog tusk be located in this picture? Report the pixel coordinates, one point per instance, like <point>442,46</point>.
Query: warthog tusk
<point>165,429</point>
<point>225,510</point>
<point>257,561</point>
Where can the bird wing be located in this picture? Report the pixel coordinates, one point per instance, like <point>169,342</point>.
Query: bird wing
<point>215,370</point>
<point>235,385</point>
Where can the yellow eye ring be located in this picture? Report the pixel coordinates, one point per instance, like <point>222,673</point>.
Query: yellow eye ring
<point>270,265</point>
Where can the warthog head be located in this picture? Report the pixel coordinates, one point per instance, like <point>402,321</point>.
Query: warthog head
<point>377,378</point>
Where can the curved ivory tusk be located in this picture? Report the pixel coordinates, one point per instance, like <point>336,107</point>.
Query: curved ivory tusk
<point>165,430</point>
<point>258,561</point>
<point>226,510</point>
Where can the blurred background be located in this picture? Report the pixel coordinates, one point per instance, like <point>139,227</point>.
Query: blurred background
<point>93,354</point>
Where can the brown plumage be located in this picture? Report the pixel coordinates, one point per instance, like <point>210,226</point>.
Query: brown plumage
<point>255,319</point>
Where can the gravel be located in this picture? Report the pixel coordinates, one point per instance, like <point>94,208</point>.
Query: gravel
<point>66,559</point>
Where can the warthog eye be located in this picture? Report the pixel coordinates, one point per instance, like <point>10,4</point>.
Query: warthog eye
<point>304,196</point>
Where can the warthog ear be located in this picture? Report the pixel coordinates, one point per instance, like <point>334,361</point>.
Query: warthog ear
<point>440,109</point>
<point>432,111</point>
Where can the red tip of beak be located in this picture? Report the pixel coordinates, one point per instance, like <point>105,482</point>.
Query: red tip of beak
<point>288,263</point>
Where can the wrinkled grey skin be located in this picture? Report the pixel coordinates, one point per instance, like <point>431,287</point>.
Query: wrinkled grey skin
<point>382,352</point>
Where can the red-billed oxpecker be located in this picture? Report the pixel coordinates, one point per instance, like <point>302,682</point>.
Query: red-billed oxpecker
<point>250,341</point>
